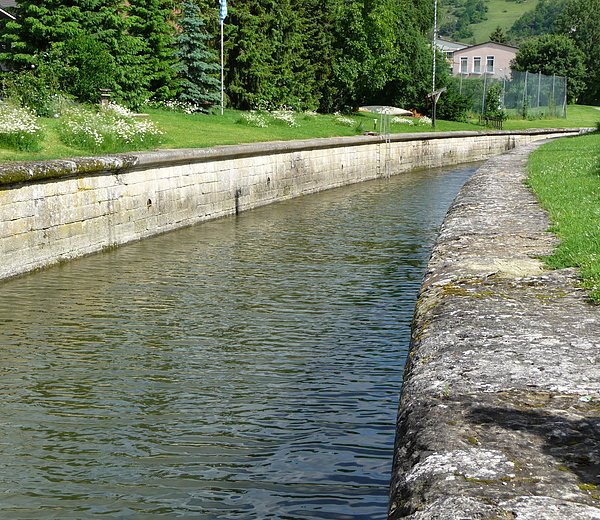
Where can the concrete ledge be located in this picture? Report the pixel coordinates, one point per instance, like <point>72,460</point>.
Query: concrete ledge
<point>499,413</point>
<point>59,210</point>
<point>19,172</point>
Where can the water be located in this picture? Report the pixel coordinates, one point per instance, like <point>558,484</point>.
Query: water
<point>244,368</point>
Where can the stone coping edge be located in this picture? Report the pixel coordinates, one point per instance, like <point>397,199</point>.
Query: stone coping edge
<point>499,408</point>
<point>24,172</point>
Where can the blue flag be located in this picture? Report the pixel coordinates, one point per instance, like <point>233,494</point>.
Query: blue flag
<point>222,10</point>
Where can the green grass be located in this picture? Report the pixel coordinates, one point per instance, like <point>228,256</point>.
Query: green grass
<point>565,175</point>
<point>202,131</point>
<point>578,116</point>
<point>501,13</point>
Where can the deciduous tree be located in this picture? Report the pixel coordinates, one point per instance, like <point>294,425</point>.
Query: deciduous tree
<point>581,22</point>
<point>553,54</point>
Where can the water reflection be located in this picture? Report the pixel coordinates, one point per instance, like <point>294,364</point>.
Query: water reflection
<point>244,368</point>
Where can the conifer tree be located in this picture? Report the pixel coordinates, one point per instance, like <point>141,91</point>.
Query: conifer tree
<point>47,30</point>
<point>152,21</point>
<point>498,35</point>
<point>197,65</point>
<point>250,71</point>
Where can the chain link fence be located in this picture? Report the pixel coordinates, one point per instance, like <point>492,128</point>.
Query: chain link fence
<point>524,94</point>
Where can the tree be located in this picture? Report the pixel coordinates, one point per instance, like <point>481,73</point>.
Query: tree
<point>152,21</point>
<point>498,35</point>
<point>268,60</point>
<point>45,28</point>
<point>541,20</point>
<point>553,54</point>
<point>197,66</point>
<point>581,22</point>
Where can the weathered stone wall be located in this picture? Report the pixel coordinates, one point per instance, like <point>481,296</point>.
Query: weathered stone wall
<point>499,413</point>
<point>58,210</point>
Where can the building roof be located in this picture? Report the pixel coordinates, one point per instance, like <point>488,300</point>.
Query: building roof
<point>448,45</point>
<point>495,45</point>
<point>7,7</point>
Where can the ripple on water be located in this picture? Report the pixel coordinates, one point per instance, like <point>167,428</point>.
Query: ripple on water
<point>245,368</point>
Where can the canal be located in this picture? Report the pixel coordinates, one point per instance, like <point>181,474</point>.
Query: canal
<point>245,368</point>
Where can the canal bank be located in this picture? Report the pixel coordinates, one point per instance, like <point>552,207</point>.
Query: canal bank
<point>59,210</point>
<point>499,410</point>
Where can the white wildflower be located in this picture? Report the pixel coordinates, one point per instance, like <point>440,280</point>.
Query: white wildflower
<point>285,116</point>
<point>343,120</point>
<point>397,120</point>
<point>254,119</point>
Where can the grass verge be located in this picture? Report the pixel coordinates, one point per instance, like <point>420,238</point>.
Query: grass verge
<point>565,175</point>
<point>202,131</point>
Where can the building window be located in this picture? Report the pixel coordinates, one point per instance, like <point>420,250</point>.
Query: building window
<point>489,65</point>
<point>477,65</point>
<point>464,65</point>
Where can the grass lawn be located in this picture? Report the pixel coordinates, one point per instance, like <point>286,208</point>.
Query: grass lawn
<point>565,175</point>
<point>501,13</point>
<point>578,116</point>
<point>201,131</point>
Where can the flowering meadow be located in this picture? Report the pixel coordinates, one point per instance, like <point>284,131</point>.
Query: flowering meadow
<point>264,118</point>
<point>19,128</point>
<point>110,129</point>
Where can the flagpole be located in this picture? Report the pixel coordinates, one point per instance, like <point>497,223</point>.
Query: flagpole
<point>222,73</point>
<point>222,16</point>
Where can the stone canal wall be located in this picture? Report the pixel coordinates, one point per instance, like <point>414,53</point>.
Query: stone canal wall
<point>499,413</point>
<point>59,210</point>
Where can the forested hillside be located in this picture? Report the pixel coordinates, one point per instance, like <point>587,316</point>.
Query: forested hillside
<point>472,21</point>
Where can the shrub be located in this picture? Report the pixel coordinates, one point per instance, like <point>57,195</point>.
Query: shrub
<point>453,106</point>
<point>19,128</point>
<point>112,129</point>
<point>81,66</point>
<point>29,90</point>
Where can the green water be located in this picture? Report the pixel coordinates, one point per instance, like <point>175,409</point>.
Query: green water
<point>246,368</point>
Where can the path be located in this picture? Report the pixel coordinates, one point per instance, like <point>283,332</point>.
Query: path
<point>499,414</point>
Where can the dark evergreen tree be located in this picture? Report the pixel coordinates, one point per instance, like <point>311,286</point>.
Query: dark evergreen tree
<point>318,27</point>
<point>45,29</point>
<point>498,35</point>
<point>153,22</point>
<point>295,83</point>
<point>197,64</point>
<point>250,70</point>
<point>38,26</point>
